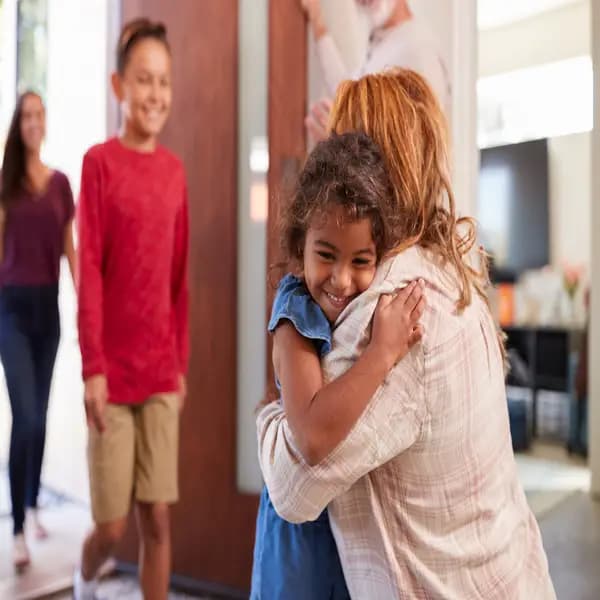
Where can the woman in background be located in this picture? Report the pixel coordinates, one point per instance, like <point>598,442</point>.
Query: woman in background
<point>36,213</point>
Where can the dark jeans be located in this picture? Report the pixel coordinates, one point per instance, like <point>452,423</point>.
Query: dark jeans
<point>29,335</point>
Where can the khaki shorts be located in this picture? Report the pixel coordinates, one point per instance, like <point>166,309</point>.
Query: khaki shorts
<point>135,457</point>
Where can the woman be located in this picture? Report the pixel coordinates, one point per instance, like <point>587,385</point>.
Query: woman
<point>36,213</point>
<point>423,494</point>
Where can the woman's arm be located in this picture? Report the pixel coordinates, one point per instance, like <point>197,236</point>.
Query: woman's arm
<point>69,250</point>
<point>319,416</point>
<point>330,58</point>
<point>2,224</point>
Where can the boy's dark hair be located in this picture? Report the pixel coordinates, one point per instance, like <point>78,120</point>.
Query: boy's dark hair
<point>349,171</point>
<point>134,32</point>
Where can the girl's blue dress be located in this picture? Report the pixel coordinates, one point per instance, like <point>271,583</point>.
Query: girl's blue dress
<point>296,561</point>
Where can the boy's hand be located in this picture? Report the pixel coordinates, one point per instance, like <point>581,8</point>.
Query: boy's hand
<point>182,391</point>
<point>96,398</point>
<point>396,322</point>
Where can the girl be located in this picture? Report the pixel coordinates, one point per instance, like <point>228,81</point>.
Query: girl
<point>36,212</point>
<point>133,321</point>
<point>337,227</point>
<point>423,494</point>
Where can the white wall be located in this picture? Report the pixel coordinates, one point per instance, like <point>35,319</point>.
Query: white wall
<point>77,82</point>
<point>76,119</point>
<point>548,37</point>
<point>570,198</point>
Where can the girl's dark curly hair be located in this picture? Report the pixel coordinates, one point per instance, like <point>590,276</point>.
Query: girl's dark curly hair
<point>346,170</point>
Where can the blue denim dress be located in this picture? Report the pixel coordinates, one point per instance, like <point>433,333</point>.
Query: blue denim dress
<point>296,561</point>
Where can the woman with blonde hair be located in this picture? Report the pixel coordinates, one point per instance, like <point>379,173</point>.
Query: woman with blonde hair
<point>423,494</point>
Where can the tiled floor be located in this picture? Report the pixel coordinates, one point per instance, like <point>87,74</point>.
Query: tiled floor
<point>549,476</point>
<point>571,535</point>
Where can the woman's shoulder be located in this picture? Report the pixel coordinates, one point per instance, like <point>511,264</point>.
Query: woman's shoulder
<point>61,178</point>
<point>63,191</point>
<point>417,262</point>
<point>294,303</point>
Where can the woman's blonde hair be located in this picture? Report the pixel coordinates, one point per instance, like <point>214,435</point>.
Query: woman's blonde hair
<point>398,110</point>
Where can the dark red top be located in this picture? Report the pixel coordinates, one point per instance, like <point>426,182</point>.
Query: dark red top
<point>133,284</point>
<point>34,234</point>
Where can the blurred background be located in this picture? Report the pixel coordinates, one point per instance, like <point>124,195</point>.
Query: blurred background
<point>524,148</point>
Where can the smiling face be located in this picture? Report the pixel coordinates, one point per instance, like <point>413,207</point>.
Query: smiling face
<point>144,88</point>
<point>32,123</point>
<point>340,260</point>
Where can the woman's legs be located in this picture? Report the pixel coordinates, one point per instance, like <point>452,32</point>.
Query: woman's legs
<point>17,360</point>
<point>44,354</point>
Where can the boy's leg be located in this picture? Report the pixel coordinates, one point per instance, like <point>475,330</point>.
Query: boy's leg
<point>155,549</point>
<point>157,449</point>
<point>111,463</point>
<point>99,545</point>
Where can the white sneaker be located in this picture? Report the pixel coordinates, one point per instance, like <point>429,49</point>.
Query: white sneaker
<point>34,524</point>
<point>21,557</point>
<point>82,589</point>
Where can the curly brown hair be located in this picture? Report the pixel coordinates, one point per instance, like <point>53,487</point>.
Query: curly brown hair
<point>401,114</point>
<point>345,170</point>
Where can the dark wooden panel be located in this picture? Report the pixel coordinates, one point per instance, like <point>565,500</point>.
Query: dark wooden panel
<point>213,525</point>
<point>287,109</point>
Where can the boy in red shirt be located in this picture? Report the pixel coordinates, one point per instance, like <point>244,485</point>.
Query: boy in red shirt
<point>133,315</point>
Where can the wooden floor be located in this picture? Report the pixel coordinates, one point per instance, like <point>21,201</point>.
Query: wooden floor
<point>53,560</point>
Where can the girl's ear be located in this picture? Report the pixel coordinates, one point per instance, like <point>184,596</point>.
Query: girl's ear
<point>117,86</point>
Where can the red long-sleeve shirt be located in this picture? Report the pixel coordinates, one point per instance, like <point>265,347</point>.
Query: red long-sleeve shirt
<point>133,285</point>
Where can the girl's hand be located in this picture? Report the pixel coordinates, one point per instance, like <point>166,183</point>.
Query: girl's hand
<point>396,322</point>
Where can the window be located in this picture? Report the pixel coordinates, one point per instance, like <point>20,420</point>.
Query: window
<point>538,102</point>
<point>32,46</point>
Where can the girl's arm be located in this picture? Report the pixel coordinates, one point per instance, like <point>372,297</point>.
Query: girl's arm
<point>321,416</point>
<point>69,250</point>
